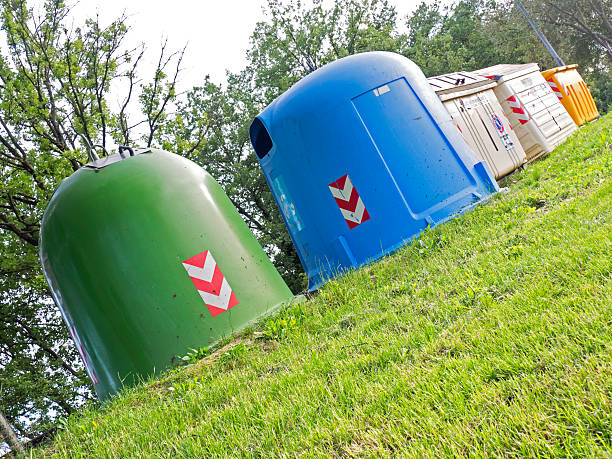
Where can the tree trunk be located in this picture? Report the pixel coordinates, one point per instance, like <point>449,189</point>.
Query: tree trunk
<point>9,435</point>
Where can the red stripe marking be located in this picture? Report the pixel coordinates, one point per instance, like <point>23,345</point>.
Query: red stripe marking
<point>339,183</point>
<point>213,286</point>
<point>197,260</point>
<point>351,204</point>
<point>366,215</point>
<point>352,224</point>
<point>216,311</point>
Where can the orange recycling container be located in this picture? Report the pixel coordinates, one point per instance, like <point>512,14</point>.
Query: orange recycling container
<point>572,92</point>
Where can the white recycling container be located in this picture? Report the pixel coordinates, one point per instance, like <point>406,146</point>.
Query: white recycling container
<point>471,102</point>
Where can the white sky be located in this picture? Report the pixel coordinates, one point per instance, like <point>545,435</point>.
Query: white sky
<point>216,31</point>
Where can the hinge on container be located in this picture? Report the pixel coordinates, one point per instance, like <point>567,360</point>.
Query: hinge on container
<point>123,153</point>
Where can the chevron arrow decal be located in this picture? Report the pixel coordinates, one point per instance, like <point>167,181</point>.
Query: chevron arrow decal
<point>555,88</point>
<point>518,109</point>
<point>348,200</point>
<point>210,283</point>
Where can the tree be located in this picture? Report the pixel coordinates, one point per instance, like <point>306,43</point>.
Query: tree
<point>478,33</point>
<point>54,115</point>
<point>573,42</point>
<point>442,40</point>
<point>589,18</point>
<point>6,432</point>
<point>555,19</point>
<point>296,40</point>
<point>515,42</point>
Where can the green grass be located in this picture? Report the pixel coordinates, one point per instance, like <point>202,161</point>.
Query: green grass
<point>488,335</point>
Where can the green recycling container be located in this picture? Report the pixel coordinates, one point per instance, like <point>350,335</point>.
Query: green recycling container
<point>147,257</point>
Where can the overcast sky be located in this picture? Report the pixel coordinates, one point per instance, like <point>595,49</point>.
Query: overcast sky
<point>216,31</point>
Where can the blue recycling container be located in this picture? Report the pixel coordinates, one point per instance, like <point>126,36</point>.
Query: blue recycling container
<point>361,156</point>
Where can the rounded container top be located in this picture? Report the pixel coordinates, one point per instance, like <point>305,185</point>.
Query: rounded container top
<point>344,78</point>
<point>550,72</point>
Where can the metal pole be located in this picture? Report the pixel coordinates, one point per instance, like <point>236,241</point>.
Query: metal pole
<point>6,431</point>
<point>549,47</point>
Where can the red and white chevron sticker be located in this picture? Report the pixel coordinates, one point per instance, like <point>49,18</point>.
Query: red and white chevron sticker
<point>210,283</point>
<point>348,200</point>
<point>456,124</point>
<point>518,109</point>
<point>555,88</point>
<point>83,354</point>
<point>458,128</point>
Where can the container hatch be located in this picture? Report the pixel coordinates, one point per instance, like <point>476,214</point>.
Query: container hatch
<point>262,143</point>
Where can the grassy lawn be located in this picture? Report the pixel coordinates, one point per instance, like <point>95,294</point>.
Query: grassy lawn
<point>488,335</point>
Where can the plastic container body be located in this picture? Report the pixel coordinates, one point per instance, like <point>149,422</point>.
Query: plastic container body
<point>147,257</point>
<point>471,102</point>
<point>535,113</point>
<point>573,93</point>
<point>361,156</point>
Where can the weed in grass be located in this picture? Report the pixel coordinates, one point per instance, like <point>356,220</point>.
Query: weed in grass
<point>233,356</point>
<point>194,355</point>
<point>181,389</point>
<point>279,328</point>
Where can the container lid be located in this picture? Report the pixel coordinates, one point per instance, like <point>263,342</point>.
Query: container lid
<point>123,153</point>
<point>459,84</point>
<point>505,72</point>
<point>550,72</point>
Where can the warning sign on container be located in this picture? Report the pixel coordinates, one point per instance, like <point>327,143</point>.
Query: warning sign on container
<point>348,200</point>
<point>210,283</point>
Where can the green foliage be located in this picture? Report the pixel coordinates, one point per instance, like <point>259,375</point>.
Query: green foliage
<point>586,21</point>
<point>488,335</point>
<point>474,34</point>
<point>296,40</point>
<point>233,356</point>
<point>600,84</point>
<point>181,389</point>
<point>442,41</point>
<point>280,327</point>
<point>194,355</point>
